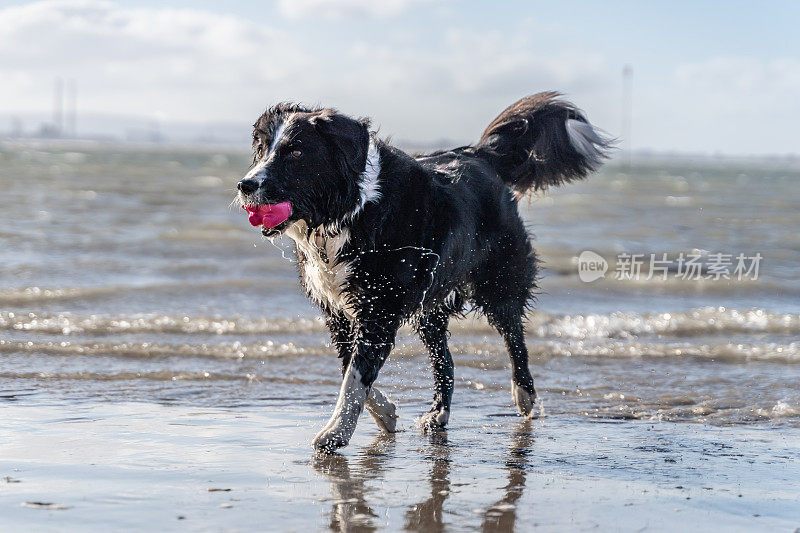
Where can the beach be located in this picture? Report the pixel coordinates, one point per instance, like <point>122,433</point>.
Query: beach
<point>161,368</point>
<point>124,465</point>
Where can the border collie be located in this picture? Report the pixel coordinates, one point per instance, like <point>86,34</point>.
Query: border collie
<point>385,238</point>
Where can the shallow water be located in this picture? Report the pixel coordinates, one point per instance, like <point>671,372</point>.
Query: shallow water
<point>127,285</point>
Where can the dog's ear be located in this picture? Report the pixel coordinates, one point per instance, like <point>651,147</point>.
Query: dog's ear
<point>348,138</point>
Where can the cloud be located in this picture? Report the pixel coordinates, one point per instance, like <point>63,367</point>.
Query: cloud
<point>441,77</point>
<point>733,84</point>
<point>337,9</point>
<point>180,64</point>
<point>729,104</point>
<point>133,60</point>
<point>455,91</point>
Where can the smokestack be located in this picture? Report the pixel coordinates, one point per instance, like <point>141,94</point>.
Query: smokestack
<point>58,107</point>
<point>72,109</point>
<point>627,111</point>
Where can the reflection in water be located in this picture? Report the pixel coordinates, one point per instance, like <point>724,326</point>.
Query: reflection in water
<point>350,511</point>
<point>502,515</point>
<point>427,516</point>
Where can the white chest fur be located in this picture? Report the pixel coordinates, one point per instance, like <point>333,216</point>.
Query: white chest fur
<point>324,275</point>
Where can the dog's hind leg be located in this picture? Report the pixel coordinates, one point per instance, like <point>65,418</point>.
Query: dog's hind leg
<point>509,325</point>
<point>522,389</point>
<point>432,329</point>
<point>379,406</point>
<point>503,290</point>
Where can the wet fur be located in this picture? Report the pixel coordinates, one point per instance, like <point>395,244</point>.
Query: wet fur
<point>396,238</point>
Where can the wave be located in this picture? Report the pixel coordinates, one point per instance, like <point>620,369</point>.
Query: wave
<point>727,351</point>
<point>141,350</point>
<point>694,322</point>
<point>562,277</point>
<point>478,354</point>
<point>34,295</point>
<point>703,412</point>
<point>166,375</point>
<point>66,324</point>
<point>619,325</point>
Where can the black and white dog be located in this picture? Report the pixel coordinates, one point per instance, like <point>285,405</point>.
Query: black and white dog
<point>385,238</point>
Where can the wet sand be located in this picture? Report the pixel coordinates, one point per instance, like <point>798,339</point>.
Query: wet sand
<point>119,466</point>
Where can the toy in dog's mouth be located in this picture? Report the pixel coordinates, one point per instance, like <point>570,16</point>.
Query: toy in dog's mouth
<point>268,215</point>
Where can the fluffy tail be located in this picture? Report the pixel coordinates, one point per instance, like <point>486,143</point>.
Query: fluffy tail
<point>541,141</point>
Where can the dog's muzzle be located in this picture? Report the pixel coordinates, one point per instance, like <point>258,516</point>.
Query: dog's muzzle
<point>248,186</point>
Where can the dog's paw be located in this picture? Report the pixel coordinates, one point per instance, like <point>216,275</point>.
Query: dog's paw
<point>330,439</point>
<point>523,400</point>
<point>434,419</point>
<point>382,410</point>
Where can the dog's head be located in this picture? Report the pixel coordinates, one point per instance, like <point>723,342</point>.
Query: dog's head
<point>306,166</point>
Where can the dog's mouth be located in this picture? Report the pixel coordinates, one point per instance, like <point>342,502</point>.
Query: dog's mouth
<point>271,217</point>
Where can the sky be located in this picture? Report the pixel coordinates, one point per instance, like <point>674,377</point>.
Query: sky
<point>708,77</point>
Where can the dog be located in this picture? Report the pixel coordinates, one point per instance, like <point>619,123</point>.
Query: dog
<point>385,238</point>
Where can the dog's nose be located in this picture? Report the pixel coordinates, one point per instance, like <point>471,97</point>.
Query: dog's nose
<point>248,186</point>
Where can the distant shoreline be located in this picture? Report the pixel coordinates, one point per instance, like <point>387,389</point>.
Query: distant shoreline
<point>639,157</point>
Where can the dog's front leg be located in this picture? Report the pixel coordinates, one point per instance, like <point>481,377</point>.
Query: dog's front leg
<point>373,344</point>
<point>382,409</point>
<point>352,396</point>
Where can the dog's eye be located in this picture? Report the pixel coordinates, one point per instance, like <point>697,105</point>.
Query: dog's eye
<point>296,153</point>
